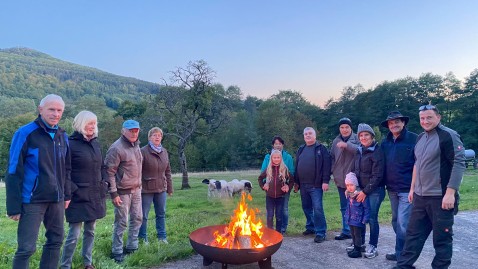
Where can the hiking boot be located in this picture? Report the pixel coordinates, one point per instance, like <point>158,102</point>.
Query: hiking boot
<point>308,232</point>
<point>371,251</point>
<point>391,256</point>
<point>128,251</point>
<point>118,258</point>
<point>342,237</point>
<point>319,239</point>
<point>355,253</point>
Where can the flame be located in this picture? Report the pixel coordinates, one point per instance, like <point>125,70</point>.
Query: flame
<point>243,223</point>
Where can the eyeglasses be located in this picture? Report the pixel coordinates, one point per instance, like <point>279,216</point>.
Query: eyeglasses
<point>427,107</point>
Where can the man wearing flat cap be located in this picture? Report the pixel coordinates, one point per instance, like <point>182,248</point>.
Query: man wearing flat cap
<point>398,147</point>
<point>123,166</point>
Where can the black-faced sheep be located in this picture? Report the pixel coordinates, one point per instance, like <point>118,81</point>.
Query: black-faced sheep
<point>217,188</point>
<point>237,186</point>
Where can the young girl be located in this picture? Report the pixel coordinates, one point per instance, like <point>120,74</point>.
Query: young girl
<point>356,214</point>
<point>277,184</point>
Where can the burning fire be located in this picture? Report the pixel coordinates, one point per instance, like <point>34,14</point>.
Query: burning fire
<point>243,231</point>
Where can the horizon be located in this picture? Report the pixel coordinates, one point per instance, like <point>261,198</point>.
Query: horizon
<point>315,48</point>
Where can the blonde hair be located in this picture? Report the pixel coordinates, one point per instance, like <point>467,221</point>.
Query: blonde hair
<point>82,119</point>
<point>283,171</point>
<point>155,130</point>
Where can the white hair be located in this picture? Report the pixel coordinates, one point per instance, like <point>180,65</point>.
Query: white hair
<point>82,119</point>
<point>51,98</point>
<point>309,129</point>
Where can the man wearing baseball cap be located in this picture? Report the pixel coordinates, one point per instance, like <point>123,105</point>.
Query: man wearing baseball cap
<point>124,163</point>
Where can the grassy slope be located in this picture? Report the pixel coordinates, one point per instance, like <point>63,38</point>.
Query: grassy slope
<point>190,209</point>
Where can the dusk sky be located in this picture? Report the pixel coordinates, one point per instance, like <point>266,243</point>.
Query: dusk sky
<point>314,47</point>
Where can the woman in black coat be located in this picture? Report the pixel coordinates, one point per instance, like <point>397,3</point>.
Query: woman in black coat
<point>88,189</point>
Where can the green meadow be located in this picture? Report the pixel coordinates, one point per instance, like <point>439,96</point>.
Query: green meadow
<point>190,209</point>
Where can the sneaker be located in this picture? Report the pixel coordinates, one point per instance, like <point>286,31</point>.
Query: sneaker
<point>371,251</point>
<point>128,251</point>
<point>351,248</point>
<point>308,232</point>
<point>391,256</point>
<point>343,237</point>
<point>319,239</point>
<point>143,241</point>
<point>118,258</point>
<point>163,241</point>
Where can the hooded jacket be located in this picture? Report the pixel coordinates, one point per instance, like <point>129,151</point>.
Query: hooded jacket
<point>38,168</point>
<point>275,184</point>
<point>368,167</point>
<point>322,165</point>
<point>88,189</point>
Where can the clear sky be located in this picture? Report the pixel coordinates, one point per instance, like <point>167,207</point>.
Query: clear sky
<point>315,47</point>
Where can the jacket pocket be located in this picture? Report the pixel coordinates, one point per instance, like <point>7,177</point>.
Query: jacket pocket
<point>82,194</point>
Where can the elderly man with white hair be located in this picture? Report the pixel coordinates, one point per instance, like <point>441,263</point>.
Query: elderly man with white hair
<point>38,183</point>
<point>312,176</point>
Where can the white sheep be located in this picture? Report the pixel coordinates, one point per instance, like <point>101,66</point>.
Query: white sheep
<point>217,188</point>
<point>237,186</point>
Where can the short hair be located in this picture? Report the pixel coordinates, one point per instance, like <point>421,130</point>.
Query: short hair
<point>277,138</point>
<point>155,130</point>
<point>50,98</point>
<point>310,129</point>
<point>82,119</point>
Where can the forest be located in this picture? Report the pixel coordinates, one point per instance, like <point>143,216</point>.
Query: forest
<point>208,126</point>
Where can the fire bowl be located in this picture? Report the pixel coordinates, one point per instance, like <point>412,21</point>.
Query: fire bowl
<point>202,237</point>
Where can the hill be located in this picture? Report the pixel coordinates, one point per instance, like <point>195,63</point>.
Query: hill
<point>27,74</point>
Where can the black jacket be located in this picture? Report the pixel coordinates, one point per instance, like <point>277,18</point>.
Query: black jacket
<point>323,163</point>
<point>88,189</point>
<point>368,166</point>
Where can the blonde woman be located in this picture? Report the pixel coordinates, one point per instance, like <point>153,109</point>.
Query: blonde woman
<point>88,190</point>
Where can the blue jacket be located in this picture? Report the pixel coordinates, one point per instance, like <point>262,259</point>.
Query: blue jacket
<point>399,160</point>
<point>323,163</point>
<point>38,167</point>
<point>357,214</point>
<point>289,162</point>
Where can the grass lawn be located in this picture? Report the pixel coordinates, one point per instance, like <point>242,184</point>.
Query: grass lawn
<point>190,209</point>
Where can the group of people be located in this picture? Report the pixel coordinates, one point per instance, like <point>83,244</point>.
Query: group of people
<point>421,173</point>
<point>52,176</point>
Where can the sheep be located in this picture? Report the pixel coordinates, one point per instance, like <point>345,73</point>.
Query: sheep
<point>217,188</point>
<point>237,186</point>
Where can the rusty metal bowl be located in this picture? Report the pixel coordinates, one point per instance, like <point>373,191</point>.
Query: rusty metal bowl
<point>201,237</point>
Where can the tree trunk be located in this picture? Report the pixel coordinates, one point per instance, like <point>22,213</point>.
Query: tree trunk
<point>183,165</point>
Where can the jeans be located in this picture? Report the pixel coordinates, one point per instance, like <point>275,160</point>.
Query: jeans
<point>375,200</point>
<point>343,207</point>
<point>401,210</point>
<point>159,202</point>
<point>285,216</point>
<point>357,235</point>
<point>427,216</point>
<point>72,239</point>
<point>131,205</point>
<point>312,206</point>
<point>274,205</point>
<point>52,215</point>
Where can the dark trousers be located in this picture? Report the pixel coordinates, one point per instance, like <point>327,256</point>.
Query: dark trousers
<point>274,206</point>
<point>52,215</point>
<point>427,216</point>
<point>356,232</point>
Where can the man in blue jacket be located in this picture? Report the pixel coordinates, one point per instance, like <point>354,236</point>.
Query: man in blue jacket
<point>38,183</point>
<point>398,147</point>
